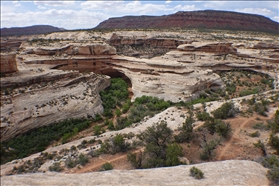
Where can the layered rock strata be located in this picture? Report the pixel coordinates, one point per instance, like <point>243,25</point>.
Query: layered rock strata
<point>210,19</point>
<point>8,63</point>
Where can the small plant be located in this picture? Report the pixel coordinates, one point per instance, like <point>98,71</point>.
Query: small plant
<point>55,167</point>
<point>107,166</point>
<point>255,134</point>
<point>196,173</point>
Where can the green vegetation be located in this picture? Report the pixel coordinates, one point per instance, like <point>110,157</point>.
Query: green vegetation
<point>114,95</point>
<point>243,83</point>
<point>208,149</point>
<point>38,139</point>
<point>196,173</point>
<point>227,110</point>
<point>106,166</point>
<point>274,142</point>
<point>55,167</point>
<point>272,162</point>
<point>143,106</point>
<point>186,132</point>
<point>159,149</point>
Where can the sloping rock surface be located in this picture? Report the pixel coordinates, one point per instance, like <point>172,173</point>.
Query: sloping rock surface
<point>233,172</point>
<point>210,19</point>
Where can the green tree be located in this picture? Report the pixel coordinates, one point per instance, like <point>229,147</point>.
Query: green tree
<point>136,160</point>
<point>186,132</point>
<point>227,110</point>
<point>156,139</point>
<point>274,142</point>
<point>119,144</point>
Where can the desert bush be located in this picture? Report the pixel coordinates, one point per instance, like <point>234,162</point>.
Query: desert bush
<point>106,166</point>
<point>82,159</point>
<point>186,131</point>
<point>260,126</point>
<point>173,152</point>
<point>272,162</point>
<point>196,173</point>
<point>227,110</point>
<point>203,116</point>
<point>55,167</point>
<point>136,160</point>
<point>274,142</point>
<point>208,150</point>
<point>255,134</point>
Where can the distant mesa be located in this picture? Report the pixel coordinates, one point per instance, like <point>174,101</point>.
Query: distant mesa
<point>207,19</point>
<point>29,30</point>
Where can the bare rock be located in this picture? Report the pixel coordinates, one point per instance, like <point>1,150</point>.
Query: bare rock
<point>232,172</point>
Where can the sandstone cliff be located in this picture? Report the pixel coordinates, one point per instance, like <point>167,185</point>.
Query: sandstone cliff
<point>209,19</point>
<point>8,63</point>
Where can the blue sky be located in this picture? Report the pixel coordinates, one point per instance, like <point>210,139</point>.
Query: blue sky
<point>89,13</point>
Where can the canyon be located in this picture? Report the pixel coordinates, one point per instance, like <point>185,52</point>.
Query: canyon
<point>52,77</point>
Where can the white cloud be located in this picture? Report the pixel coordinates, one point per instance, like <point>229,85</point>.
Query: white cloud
<point>133,7</point>
<point>16,3</point>
<point>68,19</point>
<point>54,3</point>
<point>168,1</point>
<point>260,11</point>
<point>275,18</point>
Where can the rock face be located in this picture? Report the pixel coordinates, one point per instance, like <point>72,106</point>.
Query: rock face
<point>233,172</point>
<point>30,30</point>
<point>209,19</point>
<point>217,48</point>
<point>8,63</point>
<point>95,49</point>
<point>133,45</point>
<point>43,97</point>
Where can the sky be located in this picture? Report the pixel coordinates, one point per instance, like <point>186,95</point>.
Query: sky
<point>83,14</point>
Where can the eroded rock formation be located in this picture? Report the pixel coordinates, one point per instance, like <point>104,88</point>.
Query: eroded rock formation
<point>8,63</point>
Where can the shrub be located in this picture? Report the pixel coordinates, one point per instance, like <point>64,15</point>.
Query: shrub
<point>274,142</point>
<point>255,134</point>
<point>136,161</point>
<point>227,110</point>
<point>174,151</point>
<point>97,130</point>
<point>82,159</point>
<point>203,116</point>
<point>106,166</point>
<point>55,167</point>
<point>196,173</point>
<point>208,150</point>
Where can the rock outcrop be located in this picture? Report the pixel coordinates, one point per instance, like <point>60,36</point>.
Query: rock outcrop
<point>216,48</point>
<point>208,19</point>
<point>8,63</point>
<point>29,30</point>
<point>233,172</point>
<point>95,49</point>
<point>39,97</point>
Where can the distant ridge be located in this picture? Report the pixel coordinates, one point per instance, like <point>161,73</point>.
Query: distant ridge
<point>29,30</point>
<point>207,19</point>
